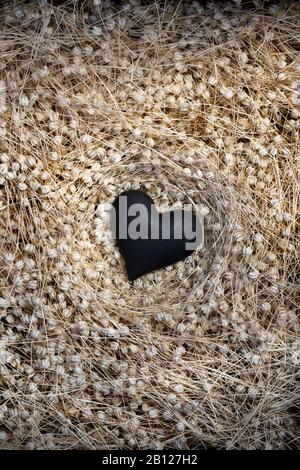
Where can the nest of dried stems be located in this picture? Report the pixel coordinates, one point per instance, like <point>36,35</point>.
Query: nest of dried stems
<point>196,105</point>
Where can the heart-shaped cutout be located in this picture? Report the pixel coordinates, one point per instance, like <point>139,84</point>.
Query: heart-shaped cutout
<point>151,240</point>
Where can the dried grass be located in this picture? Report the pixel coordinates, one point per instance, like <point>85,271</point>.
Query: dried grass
<point>196,105</point>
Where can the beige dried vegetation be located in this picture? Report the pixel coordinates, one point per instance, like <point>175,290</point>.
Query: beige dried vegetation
<point>195,105</point>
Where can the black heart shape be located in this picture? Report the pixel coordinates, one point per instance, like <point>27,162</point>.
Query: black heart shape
<point>145,255</point>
